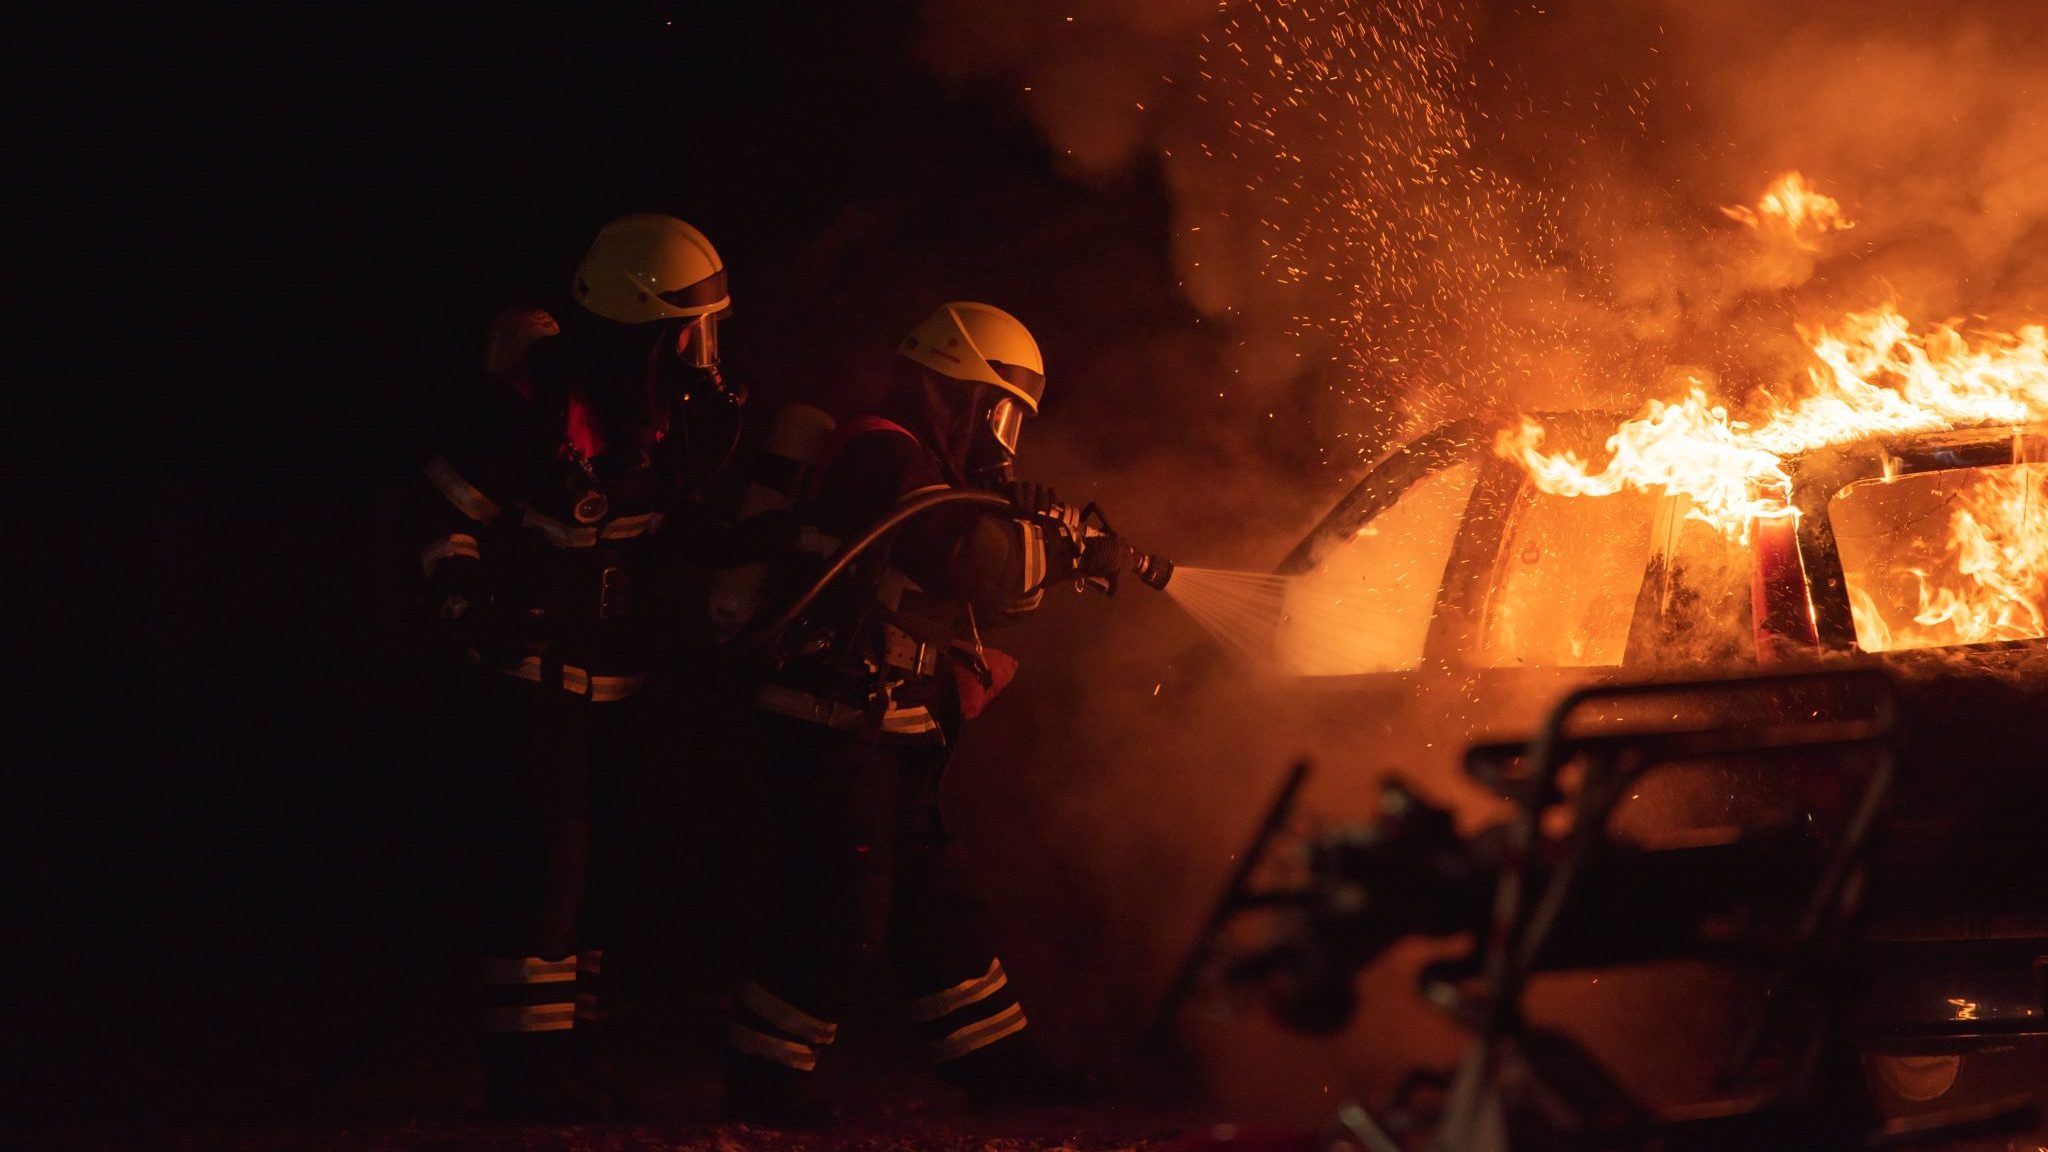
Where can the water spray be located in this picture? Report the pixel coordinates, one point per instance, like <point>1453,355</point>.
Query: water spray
<point>1242,609</point>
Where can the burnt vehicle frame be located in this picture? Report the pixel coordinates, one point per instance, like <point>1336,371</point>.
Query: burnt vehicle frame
<point>1951,957</point>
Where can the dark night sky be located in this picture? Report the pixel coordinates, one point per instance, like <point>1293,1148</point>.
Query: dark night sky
<point>289,219</point>
<point>263,253</point>
<point>257,256</point>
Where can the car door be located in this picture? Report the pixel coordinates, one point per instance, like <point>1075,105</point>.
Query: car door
<point>1447,586</point>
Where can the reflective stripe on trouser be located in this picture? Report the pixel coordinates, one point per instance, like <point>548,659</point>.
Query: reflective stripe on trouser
<point>455,544</point>
<point>767,1027</point>
<point>573,680</point>
<point>969,1015</point>
<point>860,864</point>
<point>529,994</point>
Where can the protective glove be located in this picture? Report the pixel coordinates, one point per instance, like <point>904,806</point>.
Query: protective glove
<point>1032,499</point>
<point>1103,558</point>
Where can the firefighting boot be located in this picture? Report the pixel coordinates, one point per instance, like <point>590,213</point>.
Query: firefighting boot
<point>532,1064</point>
<point>767,1095</point>
<point>596,1040</point>
<point>1013,1073</point>
<point>533,1079</point>
<point>976,1030</point>
<point>772,1053</point>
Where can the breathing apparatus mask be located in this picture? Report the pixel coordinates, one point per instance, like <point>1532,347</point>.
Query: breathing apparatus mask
<point>992,453</point>
<point>698,344</point>
<point>684,384</point>
<point>685,365</point>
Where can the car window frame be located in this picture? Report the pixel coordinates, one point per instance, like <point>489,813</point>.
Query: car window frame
<point>1821,475</point>
<point>1383,486</point>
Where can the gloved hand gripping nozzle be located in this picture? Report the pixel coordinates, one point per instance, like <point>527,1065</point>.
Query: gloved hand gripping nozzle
<point>1103,556</point>
<point>1110,555</point>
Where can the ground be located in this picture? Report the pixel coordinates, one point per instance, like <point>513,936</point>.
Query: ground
<point>455,1137</point>
<point>261,1069</point>
<point>867,1126</point>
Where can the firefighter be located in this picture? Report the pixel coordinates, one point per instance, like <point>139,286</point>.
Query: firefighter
<point>862,707</point>
<point>559,504</point>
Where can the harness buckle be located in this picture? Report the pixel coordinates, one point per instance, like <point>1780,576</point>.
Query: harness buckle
<point>908,653</point>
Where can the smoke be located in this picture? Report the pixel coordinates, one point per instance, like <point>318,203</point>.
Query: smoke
<point>1325,202</point>
<point>1918,119</point>
<point>1391,214</point>
<point>1446,206</point>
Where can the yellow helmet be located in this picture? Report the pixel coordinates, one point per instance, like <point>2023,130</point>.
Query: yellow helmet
<point>647,267</point>
<point>980,344</point>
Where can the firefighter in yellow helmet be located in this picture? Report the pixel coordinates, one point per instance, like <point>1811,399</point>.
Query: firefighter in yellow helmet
<point>866,696</point>
<point>557,506</point>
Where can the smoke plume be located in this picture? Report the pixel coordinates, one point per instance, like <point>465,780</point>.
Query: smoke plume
<point>1453,205</point>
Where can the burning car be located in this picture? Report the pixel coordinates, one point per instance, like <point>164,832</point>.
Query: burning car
<point>1454,561</point>
<point>1447,553</point>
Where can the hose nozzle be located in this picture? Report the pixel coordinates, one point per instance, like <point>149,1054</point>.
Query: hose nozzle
<point>1153,570</point>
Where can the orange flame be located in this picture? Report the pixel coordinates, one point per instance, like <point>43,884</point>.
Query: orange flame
<point>1793,209</point>
<point>1691,447</point>
<point>1871,375</point>
<point>1996,581</point>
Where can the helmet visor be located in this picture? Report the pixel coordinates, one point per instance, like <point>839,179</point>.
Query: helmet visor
<point>703,293</point>
<point>1025,380</point>
<point>700,341</point>
<point>1006,421</point>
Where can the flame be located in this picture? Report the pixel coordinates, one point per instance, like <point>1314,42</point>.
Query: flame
<point>1793,209</point>
<point>1995,583</point>
<point>1690,447</point>
<point>1872,374</point>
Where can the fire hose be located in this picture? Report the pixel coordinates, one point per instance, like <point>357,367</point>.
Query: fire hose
<point>1153,571</point>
